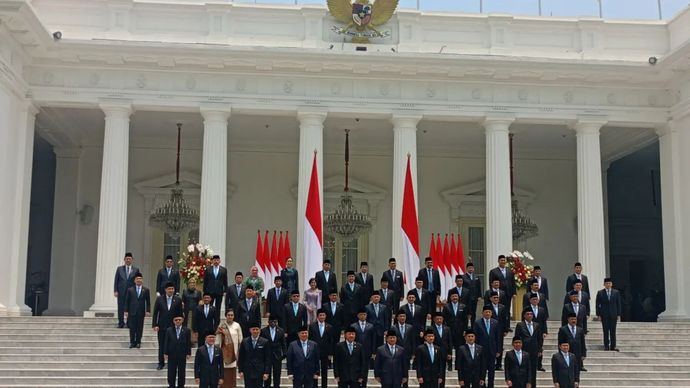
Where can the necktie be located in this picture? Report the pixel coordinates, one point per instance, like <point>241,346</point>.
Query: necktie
<point>503,272</point>
<point>472,278</point>
<point>168,272</point>
<point>294,308</point>
<point>363,325</point>
<point>277,293</point>
<point>535,309</point>
<point>215,271</point>
<point>455,309</point>
<point>178,333</point>
<point>304,348</point>
<point>392,276</point>
<point>412,310</point>
<point>364,278</point>
<point>376,310</point>
<point>567,359</point>
<point>206,311</point>
<point>487,323</point>
<point>431,352</point>
<point>253,343</point>
<point>529,327</point>
<point>572,329</point>
<point>576,308</point>
<point>325,276</point>
<point>608,292</point>
<point>333,308</point>
<point>321,329</point>
<point>127,273</point>
<point>169,303</point>
<point>249,305</point>
<point>578,277</point>
<point>239,290</point>
<point>519,357</point>
<point>459,291</point>
<point>472,351</point>
<point>431,280</point>
<point>210,354</point>
<point>440,331</point>
<point>273,334</point>
<point>392,349</point>
<point>352,287</point>
<point>385,293</point>
<point>349,347</point>
<point>402,331</point>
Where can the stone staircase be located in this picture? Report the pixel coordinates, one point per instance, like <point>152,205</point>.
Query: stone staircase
<point>91,352</point>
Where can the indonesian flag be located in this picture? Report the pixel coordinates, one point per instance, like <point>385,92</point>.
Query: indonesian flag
<point>288,250</point>
<point>461,257</point>
<point>274,259</point>
<point>259,261</point>
<point>313,226</point>
<point>268,269</point>
<point>454,266</point>
<point>410,230</point>
<point>432,247</point>
<point>446,276</point>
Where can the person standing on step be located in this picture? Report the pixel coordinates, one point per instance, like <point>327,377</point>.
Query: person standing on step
<point>295,315</point>
<point>322,333</point>
<point>541,281</point>
<point>167,274</point>
<point>276,298</point>
<point>490,337</point>
<point>351,298</point>
<point>290,276</point>
<point>191,297</point>
<point>540,316</point>
<point>326,280</point>
<point>443,338</point>
<point>574,307</point>
<point>565,369</point>
<point>350,363</point>
<point>430,362</point>
<point>254,361</point>
<point>395,278</point>
<point>431,281</point>
<point>389,297</point>
<point>137,306</point>
<point>205,321</point>
<point>518,366</point>
<point>506,277</point>
<point>391,366</point>
<point>208,364</point>
<point>366,281</point>
<point>378,315</point>
<point>335,315</point>
<point>474,284</point>
<point>577,275</point>
<point>167,307</point>
<point>215,283</point>
<point>177,349</point>
<point>609,308</point>
<point>470,362</point>
<point>532,340</point>
<point>276,341</point>
<point>124,279</point>
<point>303,360</point>
<point>249,312</point>
<point>235,293</point>
<point>229,337</point>
<point>575,336</point>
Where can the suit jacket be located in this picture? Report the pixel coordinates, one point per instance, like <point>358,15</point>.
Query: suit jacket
<point>445,342</point>
<point>502,316</point>
<point>609,309</point>
<point>325,342</point>
<point>137,306</point>
<point>275,303</point>
<point>163,278</point>
<point>293,322</point>
<point>215,285</point>
<point>577,343</point>
<point>544,288</point>
<point>407,341</point>
<point>162,316</point>
<point>518,373</point>
<point>175,347</point>
<point>427,369</point>
<point>395,282</point>
<point>436,279</point>
<point>336,320</point>
<point>507,282</point>
<point>491,341</point>
<point>204,324</point>
<point>418,320</point>
<point>248,317</point>
<point>278,345</point>
<point>463,294</point>
<point>542,318</point>
<point>351,298</point>
<point>456,321</point>
<point>503,297</point>
<point>531,343</point>
<point>474,285</point>
<point>350,367</point>
<point>326,287</point>
<point>254,361</point>
<point>565,374</point>
<point>367,287</point>
<point>427,300</point>
<point>206,370</point>
<point>391,368</point>
<point>542,301</point>
<point>366,337</point>
<point>570,281</point>
<point>299,366</point>
<point>380,322</point>
<point>391,299</point>
<point>584,300</point>
<point>569,309</point>
<point>122,282</point>
<point>232,300</point>
<point>471,370</point>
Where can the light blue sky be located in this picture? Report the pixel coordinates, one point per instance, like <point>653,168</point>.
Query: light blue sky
<point>611,9</point>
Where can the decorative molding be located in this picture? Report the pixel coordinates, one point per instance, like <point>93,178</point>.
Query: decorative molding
<point>156,190</point>
<point>469,200</point>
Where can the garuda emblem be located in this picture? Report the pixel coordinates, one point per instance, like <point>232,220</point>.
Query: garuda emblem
<point>361,17</point>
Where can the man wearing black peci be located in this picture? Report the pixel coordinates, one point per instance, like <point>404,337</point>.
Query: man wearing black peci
<point>474,284</point>
<point>254,359</point>
<point>490,337</point>
<point>518,368</point>
<point>350,363</point>
<point>455,316</point>
<point>608,308</point>
<point>137,306</point>
<point>351,298</point>
<point>395,278</point>
<point>470,362</point>
<point>366,281</point>
<point>322,333</point>
<point>248,313</point>
<point>389,297</point>
<point>276,341</point>
<point>391,366</point>
<point>276,298</point>
<point>326,280</point>
<point>208,364</point>
<point>575,336</point>
<point>380,316</point>
<point>167,307</point>
<point>215,283</point>
<point>295,315</point>
<point>235,293</point>
<point>415,316</point>
<point>506,277</point>
<point>540,316</point>
<point>564,367</point>
<point>335,315</point>
<point>167,274</point>
<point>541,281</point>
<point>533,289</point>
<point>532,340</point>
<point>205,321</point>
<point>577,275</point>
<point>405,333</point>
<point>177,348</point>
<point>443,338</point>
<point>430,362</point>
<point>124,279</point>
<point>431,279</point>
<point>460,289</point>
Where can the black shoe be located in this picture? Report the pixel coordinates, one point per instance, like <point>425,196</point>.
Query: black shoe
<point>510,330</point>
<point>138,346</point>
<point>615,349</point>
<point>606,348</point>
<point>583,370</point>
<point>131,346</point>
<point>121,326</point>
<point>160,366</point>
<point>541,370</point>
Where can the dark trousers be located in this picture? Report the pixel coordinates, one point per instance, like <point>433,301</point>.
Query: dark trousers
<point>533,366</point>
<point>609,326</point>
<point>348,384</point>
<point>208,385</point>
<point>176,367</point>
<point>187,313</point>
<point>324,373</point>
<point>276,368</point>
<point>136,329</point>
<point>539,362</point>
<point>303,382</point>
<point>161,343</point>
<point>217,300</point>
<point>491,370</point>
<point>472,384</point>
<point>253,383</point>
<point>121,309</point>
<point>499,361</point>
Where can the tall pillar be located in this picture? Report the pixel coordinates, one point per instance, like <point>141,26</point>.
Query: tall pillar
<point>590,203</point>
<point>675,264</point>
<point>404,143</point>
<point>310,141</point>
<point>214,180</point>
<point>112,207</point>
<point>499,229</point>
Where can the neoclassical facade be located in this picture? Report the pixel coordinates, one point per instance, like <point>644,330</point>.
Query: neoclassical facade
<point>260,88</point>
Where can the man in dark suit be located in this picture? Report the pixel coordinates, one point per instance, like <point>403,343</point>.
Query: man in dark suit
<point>455,316</point>
<point>249,313</point>
<point>574,307</point>
<point>443,338</point>
<point>137,306</point>
<point>276,298</point>
<point>366,281</point>
<point>389,297</point>
<point>405,333</point>
<point>416,316</point>
<point>500,313</point>
<point>474,284</point>
<point>167,307</point>
<point>424,298</point>
<point>532,340</point>
<point>582,296</point>
<point>395,278</point>
<point>295,315</point>
<point>380,316</point>
<point>391,367</point>
<point>254,359</point>
<point>167,274</point>
<point>208,364</point>
<point>490,337</point>
<point>215,283</point>
<point>351,298</point>
<point>470,362</point>
<point>366,336</point>
<point>322,333</point>
<point>124,279</point>
<point>533,288</point>
<point>326,280</point>
<point>430,362</point>
<point>577,275</point>
<point>205,321</point>
<point>541,281</point>
<point>608,305</point>
<point>350,363</point>
<point>460,289</point>
<point>540,316</point>
<point>503,297</point>
<point>335,315</point>
<point>431,279</point>
<point>575,336</point>
<point>235,293</point>
<point>506,278</point>
<point>276,341</point>
<point>518,369</point>
<point>177,348</point>
<point>564,367</point>
<point>303,360</point>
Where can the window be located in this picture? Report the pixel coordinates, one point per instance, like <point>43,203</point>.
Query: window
<point>474,242</point>
<point>172,245</point>
<point>345,255</point>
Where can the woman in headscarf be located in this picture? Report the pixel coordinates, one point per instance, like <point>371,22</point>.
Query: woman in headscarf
<point>229,338</point>
<point>255,281</point>
<point>290,276</point>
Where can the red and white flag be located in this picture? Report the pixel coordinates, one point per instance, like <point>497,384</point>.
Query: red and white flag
<point>313,227</point>
<point>410,230</point>
<point>454,267</point>
<point>461,257</point>
<point>268,269</point>
<point>259,258</point>
<point>288,250</point>
<point>446,280</point>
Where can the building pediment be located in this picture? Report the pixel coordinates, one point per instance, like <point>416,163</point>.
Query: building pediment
<point>469,200</point>
<point>156,190</point>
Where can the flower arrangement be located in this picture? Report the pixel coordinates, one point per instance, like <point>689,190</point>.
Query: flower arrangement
<point>194,261</point>
<point>523,272</point>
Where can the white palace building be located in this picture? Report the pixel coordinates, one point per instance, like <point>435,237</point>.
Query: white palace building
<point>599,110</point>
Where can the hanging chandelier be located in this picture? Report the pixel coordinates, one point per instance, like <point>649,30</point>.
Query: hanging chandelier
<point>523,227</point>
<point>346,222</point>
<point>175,217</point>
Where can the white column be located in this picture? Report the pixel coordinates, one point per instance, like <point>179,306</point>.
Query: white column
<point>499,227</point>
<point>404,143</point>
<point>590,203</point>
<point>112,212</point>
<point>214,180</point>
<point>310,140</point>
<point>675,263</point>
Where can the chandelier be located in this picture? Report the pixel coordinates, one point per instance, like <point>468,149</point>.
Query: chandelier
<point>523,227</point>
<point>175,217</point>
<point>346,221</point>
